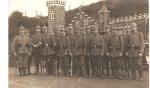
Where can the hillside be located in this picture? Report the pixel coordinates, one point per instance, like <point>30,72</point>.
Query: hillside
<point>118,8</point>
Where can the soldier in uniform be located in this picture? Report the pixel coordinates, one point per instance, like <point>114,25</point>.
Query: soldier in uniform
<point>107,59</point>
<point>97,53</point>
<point>135,51</point>
<point>30,57</point>
<point>88,48</point>
<point>36,50</point>
<point>69,58</point>
<point>21,47</point>
<point>126,68</point>
<point>78,53</point>
<point>45,50</point>
<point>51,52</point>
<point>61,44</point>
<point>114,51</point>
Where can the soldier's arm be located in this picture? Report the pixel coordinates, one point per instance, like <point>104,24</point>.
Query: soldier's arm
<point>13,45</point>
<point>122,44</point>
<point>103,45</point>
<point>30,45</point>
<point>142,43</point>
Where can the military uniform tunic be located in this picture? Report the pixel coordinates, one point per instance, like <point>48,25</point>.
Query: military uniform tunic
<point>22,47</point>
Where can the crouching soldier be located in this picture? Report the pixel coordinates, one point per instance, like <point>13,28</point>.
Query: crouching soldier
<point>135,51</point>
<point>22,50</point>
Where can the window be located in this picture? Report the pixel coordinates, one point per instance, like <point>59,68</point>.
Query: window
<point>52,15</point>
<point>77,23</point>
<point>101,18</point>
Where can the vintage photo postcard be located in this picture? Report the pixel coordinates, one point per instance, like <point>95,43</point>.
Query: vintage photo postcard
<point>78,44</point>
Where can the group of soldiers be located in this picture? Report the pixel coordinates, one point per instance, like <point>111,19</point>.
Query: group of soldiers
<point>71,52</point>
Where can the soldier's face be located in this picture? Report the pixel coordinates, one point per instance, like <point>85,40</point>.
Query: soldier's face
<point>22,33</point>
<point>44,30</point>
<point>38,30</point>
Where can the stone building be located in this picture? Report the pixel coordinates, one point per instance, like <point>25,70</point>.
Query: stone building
<point>56,14</point>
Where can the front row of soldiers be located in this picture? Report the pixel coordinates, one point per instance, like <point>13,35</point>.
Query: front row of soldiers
<point>81,54</point>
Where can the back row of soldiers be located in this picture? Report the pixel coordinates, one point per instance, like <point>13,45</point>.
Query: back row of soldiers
<point>74,53</point>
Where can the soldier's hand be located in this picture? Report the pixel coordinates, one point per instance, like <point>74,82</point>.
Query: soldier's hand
<point>120,54</point>
<point>70,54</point>
<point>140,54</point>
<point>40,43</point>
<point>107,54</point>
<point>46,44</point>
<point>34,45</point>
<point>126,53</point>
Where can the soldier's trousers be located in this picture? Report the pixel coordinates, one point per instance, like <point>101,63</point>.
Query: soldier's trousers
<point>115,66</point>
<point>61,65</point>
<point>44,64</point>
<point>79,65</point>
<point>67,65</point>
<point>29,63</point>
<point>136,63</point>
<point>50,64</point>
<point>22,63</point>
<point>107,66</point>
<point>97,63</point>
<point>37,58</point>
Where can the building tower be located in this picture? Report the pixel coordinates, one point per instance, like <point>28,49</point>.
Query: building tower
<point>103,17</point>
<point>56,14</point>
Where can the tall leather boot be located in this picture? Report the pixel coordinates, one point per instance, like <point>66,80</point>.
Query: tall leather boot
<point>83,71</point>
<point>140,74</point>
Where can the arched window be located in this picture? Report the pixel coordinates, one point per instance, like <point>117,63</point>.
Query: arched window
<point>52,15</point>
<point>101,18</point>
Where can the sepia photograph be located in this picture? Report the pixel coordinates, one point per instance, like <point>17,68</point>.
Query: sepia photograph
<point>78,44</point>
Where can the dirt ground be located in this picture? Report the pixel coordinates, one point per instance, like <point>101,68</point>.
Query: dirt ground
<point>33,81</point>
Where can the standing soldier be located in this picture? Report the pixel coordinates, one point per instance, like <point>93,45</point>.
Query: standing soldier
<point>36,44</point>
<point>126,67</point>
<point>88,48</point>
<point>135,51</point>
<point>97,52</point>
<point>69,58</point>
<point>78,52</point>
<point>61,44</point>
<point>51,46</point>
<point>114,50</point>
<point>107,59</point>
<point>22,49</point>
<point>30,57</point>
<point>44,50</point>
